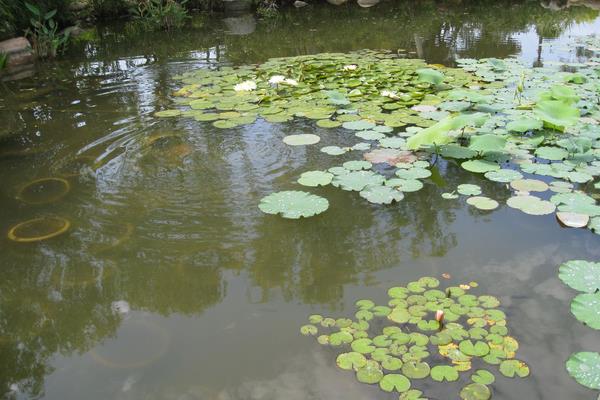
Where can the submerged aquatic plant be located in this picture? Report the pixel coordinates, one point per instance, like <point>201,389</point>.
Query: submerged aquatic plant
<point>397,344</point>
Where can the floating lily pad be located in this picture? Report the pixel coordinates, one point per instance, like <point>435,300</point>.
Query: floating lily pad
<point>529,185</point>
<point>572,220</point>
<point>480,166</point>
<point>531,205</point>
<point>467,189</point>
<point>405,185</point>
<point>301,140</point>
<point>586,308</point>
<point>475,391</point>
<point>333,150</point>
<point>483,377</point>
<point>551,153</point>
<point>315,178</point>
<point>167,113</point>
<point>359,125</point>
<point>394,382</point>
<point>482,202</point>
<point>352,360</point>
<point>442,373</point>
<point>512,368</point>
<point>357,180</point>
<point>581,275</point>
<point>523,125</point>
<point>416,369</point>
<point>584,367</point>
<point>370,373</point>
<point>309,330</point>
<point>503,175</point>
<point>357,165</point>
<point>293,204</point>
<point>381,194</point>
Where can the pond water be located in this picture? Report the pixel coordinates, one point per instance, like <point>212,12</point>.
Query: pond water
<point>171,284</point>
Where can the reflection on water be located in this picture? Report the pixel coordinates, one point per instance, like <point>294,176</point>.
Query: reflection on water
<point>163,217</point>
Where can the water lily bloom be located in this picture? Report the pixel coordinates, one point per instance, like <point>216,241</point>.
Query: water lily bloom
<point>275,79</point>
<point>350,67</point>
<point>245,86</point>
<point>439,315</point>
<point>389,93</point>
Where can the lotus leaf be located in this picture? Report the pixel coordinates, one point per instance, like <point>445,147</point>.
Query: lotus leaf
<point>551,153</point>
<point>352,360</point>
<point>315,178</point>
<point>556,114</point>
<point>392,142</point>
<point>487,142</point>
<point>293,204</point>
<point>359,125</point>
<point>442,373</point>
<point>370,135</point>
<point>510,368</point>
<point>397,382</point>
<point>581,275</point>
<point>584,367</point>
<point>430,75</point>
<point>301,140</point>
<point>531,205</point>
<point>586,308</point>
<point>475,391</point>
<point>456,151</point>
<point>523,125</point>
<point>413,173</point>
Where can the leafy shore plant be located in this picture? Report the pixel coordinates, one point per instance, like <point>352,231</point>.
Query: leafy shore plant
<point>3,60</point>
<point>43,33</point>
<point>160,14</point>
<point>423,333</point>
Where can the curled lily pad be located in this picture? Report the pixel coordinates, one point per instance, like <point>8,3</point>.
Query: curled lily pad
<point>394,382</point>
<point>301,140</point>
<point>475,391</point>
<point>556,114</point>
<point>315,178</point>
<point>581,275</point>
<point>572,220</point>
<point>586,308</point>
<point>442,373</point>
<point>430,75</point>
<point>510,368</point>
<point>584,367</point>
<point>293,204</point>
<point>351,360</point>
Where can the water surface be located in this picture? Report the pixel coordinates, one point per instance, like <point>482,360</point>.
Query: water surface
<point>164,216</point>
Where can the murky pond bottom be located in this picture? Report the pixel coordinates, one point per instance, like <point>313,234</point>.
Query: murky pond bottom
<point>171,284</point>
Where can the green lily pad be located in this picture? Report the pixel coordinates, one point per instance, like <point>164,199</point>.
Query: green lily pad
<point>391,363</point>
<point>357,165</point>
<point>456,151</point>
<point>523,125</point>
<point>503,175</point>
<point>333,150</point>
<point>483,377</point>
<point>381,194</point>
<point>512,368</point>
<point>405,185</point>
<point>309,330</point>
<point>416,369</point>
<point>351,361</point>
<point>167,113</point>
<point>394,382</point>
<point>357,180</point>
<point>293,204</point>
<point>556,114</point>
<point>467,189</point>
<point>413,173</point>
<point>412,394</point>
<point>581,275</point>
<point>480,166</point>
<point>529,185</point>
<point>327,123</point>
<point>442,373</point>
<point>301,140</point>
<point>482,203</point>
<point>531,205</point>
<point>475,391</point>
<point>339,338</point>
<point>359,125</point>
<point>370,373</point>
<point>430,75</point>
<point>315,178</point>
<point>477,349</point>
<point>370,135</point>
<point>551,153</point>
<point>487,142</point>
<point>584,367</point>
<point>363,346</point>
<point>586,308</point>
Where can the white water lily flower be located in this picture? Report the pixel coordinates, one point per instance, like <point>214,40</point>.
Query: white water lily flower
<point>245,86</point>
<point>291,82</point>
<point>277,79</point>
<point>389,93</point>
<point>350,67</point>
